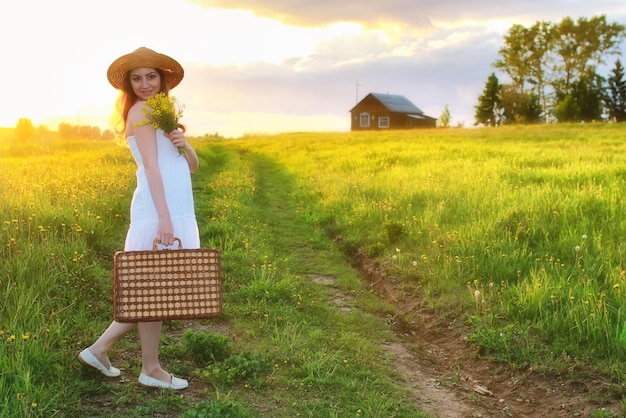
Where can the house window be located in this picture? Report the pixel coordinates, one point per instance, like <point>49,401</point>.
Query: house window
<point>383,122</point>
<point>365,120</point>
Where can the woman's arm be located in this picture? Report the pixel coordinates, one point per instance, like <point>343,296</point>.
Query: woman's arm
<point>180,141</point>
<point>145,135</point>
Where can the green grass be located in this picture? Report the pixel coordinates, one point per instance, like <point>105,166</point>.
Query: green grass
<point>519,225</point>
<point>62,224</point>
<point>514,231</point>
<point>62,217</point>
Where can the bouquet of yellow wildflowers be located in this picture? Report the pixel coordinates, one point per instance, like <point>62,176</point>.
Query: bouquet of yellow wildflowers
<point>163,112</point>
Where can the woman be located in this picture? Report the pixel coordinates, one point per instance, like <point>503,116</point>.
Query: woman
<point>162,205</point>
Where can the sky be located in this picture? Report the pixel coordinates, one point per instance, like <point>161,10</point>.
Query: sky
<point>264,66</point>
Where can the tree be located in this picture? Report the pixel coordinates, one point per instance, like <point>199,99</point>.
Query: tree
<point>66,130</point>
<point>589,92</point>
<point>444,119</point>
<point>89,132</point>
<point>515,56</point>
<point>615,97</point>
<point>584,101</point>
<point>580,46</point>
<point>559,62</point>
<point>24,129</point>
<point>108,134</point>
<point>542,35</point>
<point>524,58</point>
<point>488,110</point>
<point>524,55</point>
<point>518,107</point>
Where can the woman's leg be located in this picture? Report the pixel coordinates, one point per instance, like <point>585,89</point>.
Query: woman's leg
<point>103,344</point>
<point>150,335</point>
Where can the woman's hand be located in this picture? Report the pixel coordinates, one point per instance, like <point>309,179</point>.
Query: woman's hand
<point>165,231</point>
<point>178,138</point>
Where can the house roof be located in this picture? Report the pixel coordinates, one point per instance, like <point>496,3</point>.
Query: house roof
<point>397,103</point>
<point>421,117</point>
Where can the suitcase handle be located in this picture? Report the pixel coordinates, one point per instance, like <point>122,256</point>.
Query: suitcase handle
<point>156,241</point>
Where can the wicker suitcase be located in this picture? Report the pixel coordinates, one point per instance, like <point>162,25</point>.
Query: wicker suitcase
<point>166,284</point>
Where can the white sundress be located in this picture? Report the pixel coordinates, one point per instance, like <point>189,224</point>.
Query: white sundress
<point>178,195</point>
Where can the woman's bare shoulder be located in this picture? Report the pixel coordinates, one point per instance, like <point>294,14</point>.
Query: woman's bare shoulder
<point>136,110</point>
<point>135,118</point>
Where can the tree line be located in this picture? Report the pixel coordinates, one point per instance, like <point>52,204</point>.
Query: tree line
<point>25,131</point>
<point>553,72</point>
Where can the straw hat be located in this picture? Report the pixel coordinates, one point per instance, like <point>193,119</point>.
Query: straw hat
<point>144,57</point>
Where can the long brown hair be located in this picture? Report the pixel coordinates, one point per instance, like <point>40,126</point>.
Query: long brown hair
<point>126,99</point>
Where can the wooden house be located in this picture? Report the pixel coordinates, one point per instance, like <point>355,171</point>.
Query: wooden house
<point>388,111</point>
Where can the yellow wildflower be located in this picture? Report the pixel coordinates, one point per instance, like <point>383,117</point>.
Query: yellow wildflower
<point>163,112</point>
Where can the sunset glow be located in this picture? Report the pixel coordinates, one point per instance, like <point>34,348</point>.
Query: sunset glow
<point>264,70</point>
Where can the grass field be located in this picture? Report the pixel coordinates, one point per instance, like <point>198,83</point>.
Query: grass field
<point>523,226</point>
<point>517,232</point>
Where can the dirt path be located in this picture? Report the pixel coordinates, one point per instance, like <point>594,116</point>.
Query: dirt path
<point>439,366</point>
<point>435,360</point>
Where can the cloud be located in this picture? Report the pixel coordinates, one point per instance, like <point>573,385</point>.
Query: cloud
<point>413,13</point>
<point>287,62</point>
<point>312,13</point>
<point>455,76</point>
<point>434,53</point>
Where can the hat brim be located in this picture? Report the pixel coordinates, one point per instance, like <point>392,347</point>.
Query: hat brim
<point>144,57</point>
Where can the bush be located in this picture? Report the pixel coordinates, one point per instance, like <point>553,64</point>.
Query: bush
<point>376,250</point>
<point>205,347</point>
<point>394,231</point>
<point>239,366</point>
